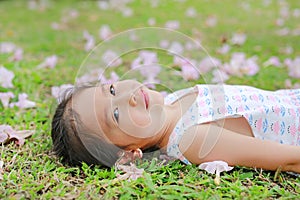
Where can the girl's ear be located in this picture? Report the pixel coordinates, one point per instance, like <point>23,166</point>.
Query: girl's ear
<point>128,156</point>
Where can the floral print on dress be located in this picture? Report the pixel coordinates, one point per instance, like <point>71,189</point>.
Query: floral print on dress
<point>272,115</point>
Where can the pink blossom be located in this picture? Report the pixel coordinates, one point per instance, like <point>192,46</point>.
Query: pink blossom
<point>105,32</point>
<point>90,41</point>
<point>191,46</point>
<point>219,76</point>
<point>211,21</point>
<point>58,91</point>
<point>146,63</point>
<point>267,2</point>
<point>111,59</point>
<point>18,55</point>
<point>293,67</point>
<point>177,60</point>
<point>49,62</point>
<point>73,13</point>
<point>189,72</point>
<point>90,44</point>
<point>6,77</point>
<point>5,130</point>
<point>150,71</point>
<point>172,24</point>
<point>224,49</point>
<point>286,50</point>
<point>279,22</point>
<point>238,38</point>
<point>130,172</point>
<point>283,31</point>
<point>188,69</point>
<point>176,48</point>
<point>239,65</point>
<point>5,97</point>
<point>37,5</point>
<point>288,84</point>
<point>207,64</point>
<point>164,44</point>
<point>7,133</point>
<point>154,3</point>
<point>273,61</point>
<point>215,167</point>
<point>144,58</point>
<point>191,12</point>
<point>133,36</point>
<point>296,32</point>
<point>23,102</point>
<point>296,13</point>
<point>103,5</point>
<point>113,78</point>
<point>56,26</point>
<point>7,47</point>
<point>284,12</point>
<point>127,12</point>
<point>91,76</point>
<point>151,21</point>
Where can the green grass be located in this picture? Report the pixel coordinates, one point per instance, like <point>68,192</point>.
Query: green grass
<point>33,172</point>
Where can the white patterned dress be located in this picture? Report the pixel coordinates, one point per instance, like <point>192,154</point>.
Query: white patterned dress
<point>272,115</point>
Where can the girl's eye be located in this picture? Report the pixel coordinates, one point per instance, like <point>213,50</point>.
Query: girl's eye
<point>116,114</point>
<point>112,90</point>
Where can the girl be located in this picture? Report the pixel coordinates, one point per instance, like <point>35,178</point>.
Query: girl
<point>240,125</point>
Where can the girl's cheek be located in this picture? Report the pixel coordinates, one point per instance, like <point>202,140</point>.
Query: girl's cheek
<point>139,119</point>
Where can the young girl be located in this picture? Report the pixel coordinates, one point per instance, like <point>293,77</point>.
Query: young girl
<point>240,125</point>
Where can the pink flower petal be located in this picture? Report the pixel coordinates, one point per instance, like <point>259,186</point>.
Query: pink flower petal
<point>238,38</point>
<point>23,102</point>
<point>58,91</point>
<point>49,62</point>
<point>224,49</point>
<point>7,47</point>
<point>6,77</point>
<point>105,32</point>
<point>211,21</point>
<point>5,97</point>
<point>11,134</point>
<point>111,59</point>
<point>151,21</point>
<point>215,167</point>
<point>273,61</point>
<point>18,55</point>
<point>189,72</point>
<point>208,63</point>
<point>191,12</point>
<point>130,172</point>
<point>172,24</point>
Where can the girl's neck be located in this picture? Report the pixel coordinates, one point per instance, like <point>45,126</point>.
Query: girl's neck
<point>174,112</point>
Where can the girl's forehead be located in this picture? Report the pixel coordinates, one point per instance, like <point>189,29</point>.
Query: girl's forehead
<point>90,105</point>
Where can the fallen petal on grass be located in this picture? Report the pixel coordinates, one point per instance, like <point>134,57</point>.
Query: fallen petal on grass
<point>7,134</point>
<point>5,97</point>
<point>6,77</point>
<point>215,167</point>
<point>23,102</point>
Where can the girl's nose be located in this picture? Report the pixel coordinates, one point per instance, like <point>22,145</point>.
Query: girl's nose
<point>132,100</point>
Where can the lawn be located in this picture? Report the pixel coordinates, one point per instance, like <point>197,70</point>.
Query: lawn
<point>46,43</point>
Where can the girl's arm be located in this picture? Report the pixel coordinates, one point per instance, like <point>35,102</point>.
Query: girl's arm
<point>209,142</point>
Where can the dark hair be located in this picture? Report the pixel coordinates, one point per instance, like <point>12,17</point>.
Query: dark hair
<point>67,132</point>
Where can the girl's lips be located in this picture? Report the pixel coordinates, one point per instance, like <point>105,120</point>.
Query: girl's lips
<point>146,98</point>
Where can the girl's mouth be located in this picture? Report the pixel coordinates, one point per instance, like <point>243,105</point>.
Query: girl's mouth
<point>146,98</point>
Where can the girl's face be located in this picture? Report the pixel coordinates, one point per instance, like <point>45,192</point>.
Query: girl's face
<point>126,112</point>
